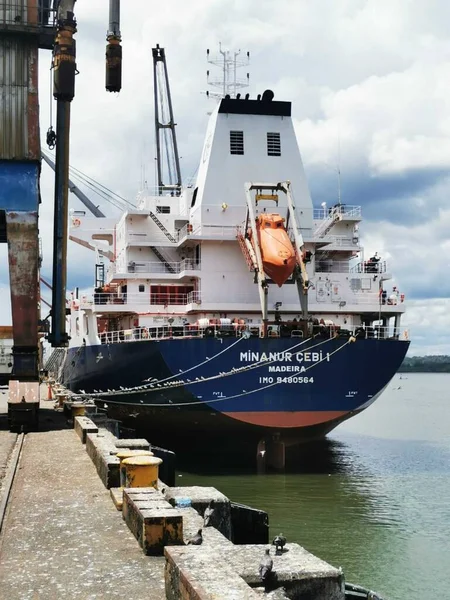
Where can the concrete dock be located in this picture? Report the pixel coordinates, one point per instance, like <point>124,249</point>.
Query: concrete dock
<point>62,536</point>
<point>66,535</point>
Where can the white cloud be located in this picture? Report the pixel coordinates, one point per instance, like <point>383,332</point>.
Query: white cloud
<point>368,75</point>
<point>429,323</point>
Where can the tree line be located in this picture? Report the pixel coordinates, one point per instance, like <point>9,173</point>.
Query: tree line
<point>426,364</point>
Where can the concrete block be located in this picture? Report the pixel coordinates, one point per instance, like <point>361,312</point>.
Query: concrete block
<point>117,497</point>
<point>133,444</point>
<point>299,572</point>
<point>200,498</point>
<point>98,447</point>
<point>249,525</point>
<point>227,572</point>
<point>152,520</point>
<point>191,575</point>
<point>83,426</point>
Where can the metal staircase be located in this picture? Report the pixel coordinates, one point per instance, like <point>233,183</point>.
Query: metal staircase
<point>334,216</point>
<point>167,233</point>
<point>55,362</point>
<point>162,258</point>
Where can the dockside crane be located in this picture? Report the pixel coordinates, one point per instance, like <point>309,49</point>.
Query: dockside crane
<point>25,28</point>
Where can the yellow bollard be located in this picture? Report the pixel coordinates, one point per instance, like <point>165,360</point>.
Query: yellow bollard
<point>141,471</point>
<point>78,410</point>
<point>122,455</point>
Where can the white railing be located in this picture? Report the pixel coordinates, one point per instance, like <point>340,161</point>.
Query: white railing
<point>382,333</point>
<point>194,298</point>
<point>370,266</point>
<point>183,300</point>
<point>144,298</point>
<point>379,299</point>
<point>155,238</point>
<point>328,265</point>
<point>168,331</point>
<point>347,212</point>
<point>212,231</point>
<point>169,267</point>
<point>334,215</point>
<point>341,240</point>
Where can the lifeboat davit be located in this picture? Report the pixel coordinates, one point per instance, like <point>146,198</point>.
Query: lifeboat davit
<point>277,252</point>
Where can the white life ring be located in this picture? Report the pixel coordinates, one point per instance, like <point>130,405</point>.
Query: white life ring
<point>76,222</point>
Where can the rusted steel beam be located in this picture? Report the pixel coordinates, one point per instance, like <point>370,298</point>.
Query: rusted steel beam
<point>64,69</point>
<point>23,253</point>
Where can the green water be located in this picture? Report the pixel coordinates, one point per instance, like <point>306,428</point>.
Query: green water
<point>375,498</point>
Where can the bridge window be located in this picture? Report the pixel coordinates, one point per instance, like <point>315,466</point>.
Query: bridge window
<point>236,142</point>
<point>273,144</point>
<point>163,209</point>
<point>141,288</point>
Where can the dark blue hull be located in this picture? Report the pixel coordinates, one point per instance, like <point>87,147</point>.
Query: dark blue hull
<point>227,386</point>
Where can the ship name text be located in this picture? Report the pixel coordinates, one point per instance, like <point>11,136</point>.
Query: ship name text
<point>300,357</point>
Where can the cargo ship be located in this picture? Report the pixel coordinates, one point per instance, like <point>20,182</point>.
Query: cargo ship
<point>231,310</point>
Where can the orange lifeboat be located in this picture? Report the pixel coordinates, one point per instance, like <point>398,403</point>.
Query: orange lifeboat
<point>277,252</point>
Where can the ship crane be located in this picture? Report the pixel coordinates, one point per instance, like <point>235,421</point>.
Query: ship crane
<point>285,257</point>
<point>165,134</point>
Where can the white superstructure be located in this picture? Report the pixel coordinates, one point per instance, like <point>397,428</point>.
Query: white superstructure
<point>177,259</point>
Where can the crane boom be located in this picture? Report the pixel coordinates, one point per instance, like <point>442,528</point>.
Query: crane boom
<point>77,192</point>
<point>165,124</point>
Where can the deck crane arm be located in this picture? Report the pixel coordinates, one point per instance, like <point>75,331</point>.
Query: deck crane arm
<point>77,192</point>
<point>300,273</point>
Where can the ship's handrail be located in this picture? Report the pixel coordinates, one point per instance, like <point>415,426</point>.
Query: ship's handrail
<point>142,298</point>
<point>328,265</point>
<point>170,331</point>
<point>369,266</point>
<point>173,299</point>
<point>21,15</point>
<point>142,266</point>
<point>207,230</point>
<point>347,211</point>
<point>341,240</point>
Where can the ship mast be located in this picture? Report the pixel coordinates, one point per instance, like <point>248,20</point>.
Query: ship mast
<point>229,63</point>
<point>165,126</point>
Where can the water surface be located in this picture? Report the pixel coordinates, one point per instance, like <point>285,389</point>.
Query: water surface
<point>374,498</point>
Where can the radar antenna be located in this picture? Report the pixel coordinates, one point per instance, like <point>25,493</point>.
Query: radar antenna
<point>229,62</point>
<point>165,126</point>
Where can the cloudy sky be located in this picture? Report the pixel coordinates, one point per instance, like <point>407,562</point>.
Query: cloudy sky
<point>369,84</point>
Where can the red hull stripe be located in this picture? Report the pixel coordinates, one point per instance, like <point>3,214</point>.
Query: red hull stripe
<point>287,418</point>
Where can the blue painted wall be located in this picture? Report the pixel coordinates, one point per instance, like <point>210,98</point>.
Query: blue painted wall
<point>19,185</point>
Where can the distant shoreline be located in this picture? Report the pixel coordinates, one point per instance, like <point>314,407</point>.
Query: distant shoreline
<point>426,364</point>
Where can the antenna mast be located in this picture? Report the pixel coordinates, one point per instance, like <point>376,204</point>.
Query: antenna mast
<point>229,62</point>
<point>165,125</point>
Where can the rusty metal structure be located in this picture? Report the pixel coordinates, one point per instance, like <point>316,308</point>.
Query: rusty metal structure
<point>64,70</point>
<point>114,49</point>
<point>25,27</point>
